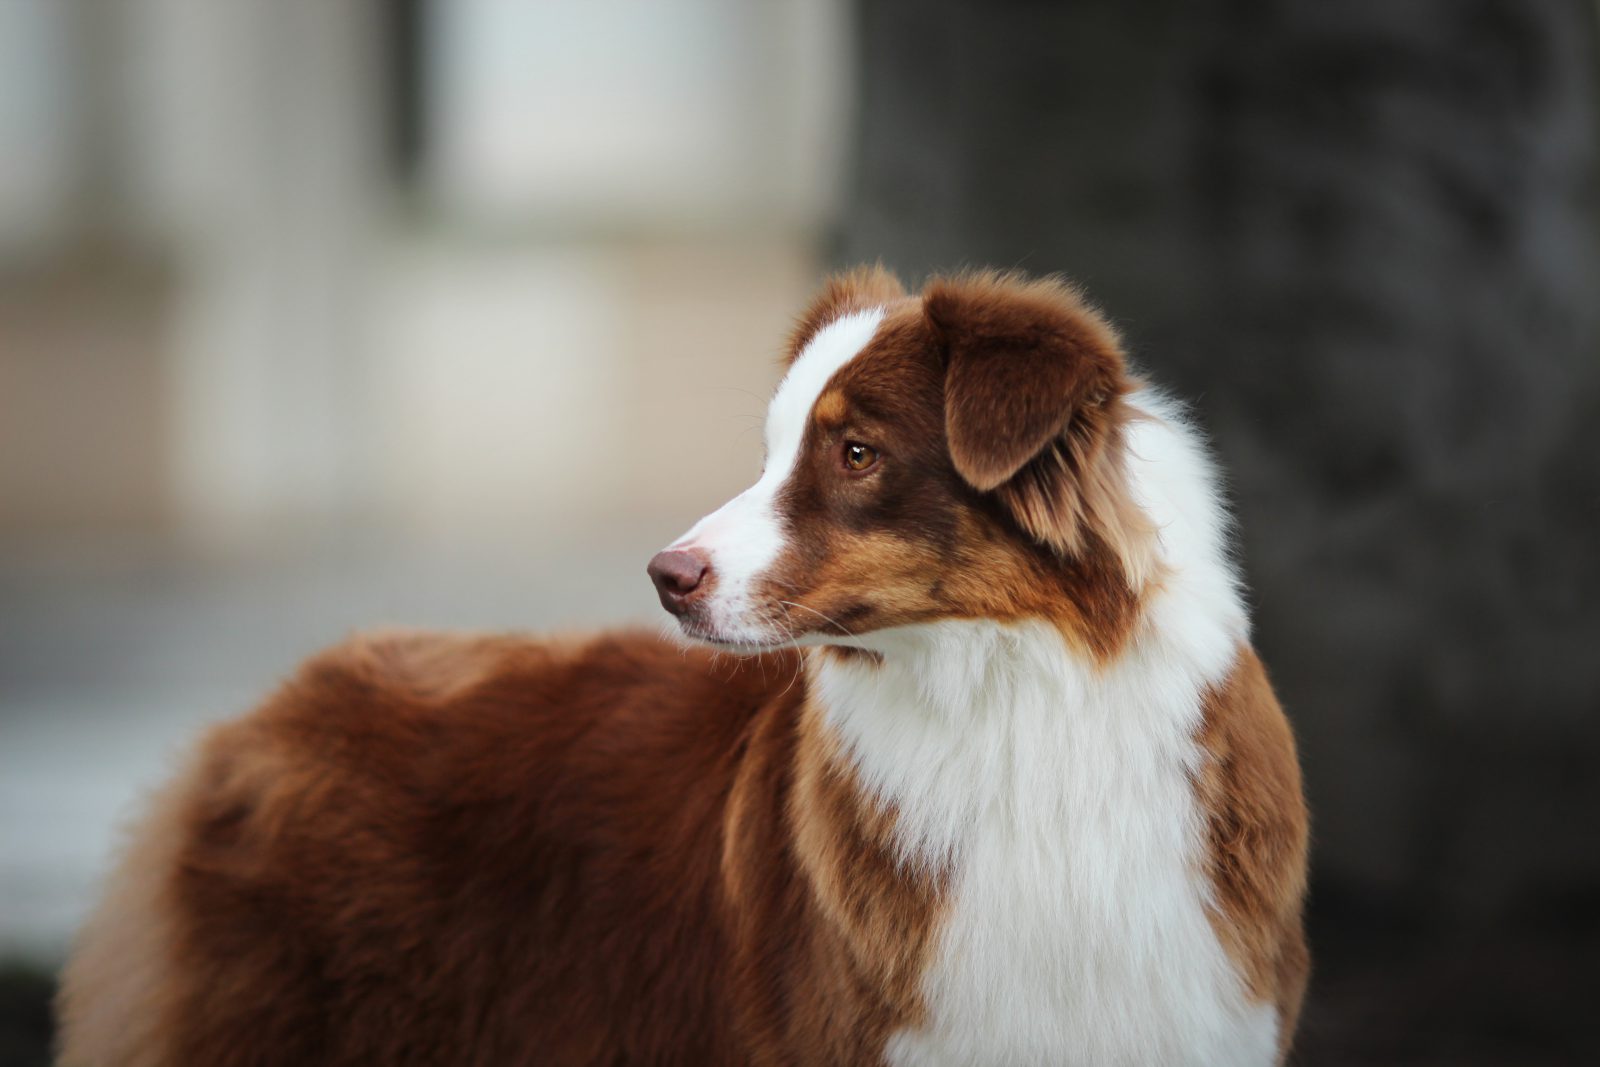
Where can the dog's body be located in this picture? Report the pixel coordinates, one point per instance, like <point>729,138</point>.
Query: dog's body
<point>1006,783</point>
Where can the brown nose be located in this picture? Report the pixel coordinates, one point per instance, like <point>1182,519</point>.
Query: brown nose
<point>677,574</point>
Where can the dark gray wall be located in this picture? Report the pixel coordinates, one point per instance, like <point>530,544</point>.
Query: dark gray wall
<point>1362,237</point>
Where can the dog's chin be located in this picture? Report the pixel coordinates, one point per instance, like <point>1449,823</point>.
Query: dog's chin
<point>756,643</point>
<point>738,642</point>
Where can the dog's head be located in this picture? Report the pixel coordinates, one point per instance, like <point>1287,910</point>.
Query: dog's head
<point>953,455</point>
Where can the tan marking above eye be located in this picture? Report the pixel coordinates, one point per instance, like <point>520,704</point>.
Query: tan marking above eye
<point>830,408</point>
<point>858,457</point>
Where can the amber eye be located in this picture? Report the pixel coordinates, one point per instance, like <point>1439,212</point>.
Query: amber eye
<point>859,457</point>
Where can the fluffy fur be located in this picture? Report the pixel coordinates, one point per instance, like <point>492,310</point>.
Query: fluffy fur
<point>1000,782</point>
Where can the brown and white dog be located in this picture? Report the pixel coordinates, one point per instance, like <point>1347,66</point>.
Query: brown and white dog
<point>995,777</point>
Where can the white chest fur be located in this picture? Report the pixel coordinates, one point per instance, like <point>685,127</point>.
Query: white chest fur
<point>1059,795</point>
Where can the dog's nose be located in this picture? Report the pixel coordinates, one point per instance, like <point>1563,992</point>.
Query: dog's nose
<point>677,574</point>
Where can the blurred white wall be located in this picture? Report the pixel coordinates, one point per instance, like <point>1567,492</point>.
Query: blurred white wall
<point>536,391</point>
<point>613,114</point>
<point>255,156</point>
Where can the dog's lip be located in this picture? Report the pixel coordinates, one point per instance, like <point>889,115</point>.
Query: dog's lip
<point>748,647</point>
<point>698,631</point>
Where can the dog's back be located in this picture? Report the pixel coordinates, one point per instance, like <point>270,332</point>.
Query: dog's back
<point>438,850</point>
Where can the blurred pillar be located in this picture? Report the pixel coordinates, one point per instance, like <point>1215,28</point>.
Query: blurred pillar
<point>1363,238</point>
<point>39,128</point>
<point>260,163</point>
<point>82,311</point>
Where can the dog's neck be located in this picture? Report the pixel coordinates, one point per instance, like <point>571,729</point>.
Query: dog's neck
<point>950,725</point>
<point>962,722</point>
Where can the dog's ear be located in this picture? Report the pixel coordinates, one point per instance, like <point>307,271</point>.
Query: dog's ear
<point>1022,360</point>
<point>841,294</point>
<point>1034,411</point>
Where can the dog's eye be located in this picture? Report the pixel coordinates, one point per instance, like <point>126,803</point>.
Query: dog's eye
<point>859,457</point>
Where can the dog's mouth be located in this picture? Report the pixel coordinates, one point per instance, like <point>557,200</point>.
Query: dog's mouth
<point>738,646</point>
<point>743,635</point>
<point>742,640</point>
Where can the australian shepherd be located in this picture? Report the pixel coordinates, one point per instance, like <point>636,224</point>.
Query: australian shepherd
<point>968,760</point>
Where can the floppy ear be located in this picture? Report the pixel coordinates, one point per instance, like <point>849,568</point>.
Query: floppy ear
<point>1034,380</point>
<point>841,294</point>
<point>1022,359</point>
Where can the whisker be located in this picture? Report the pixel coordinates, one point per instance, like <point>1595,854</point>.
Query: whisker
<point>843,629</point>
<point>799,659</point>
<point>780,581</point>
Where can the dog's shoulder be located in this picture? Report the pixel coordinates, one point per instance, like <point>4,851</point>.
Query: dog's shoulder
<point>400,718</point>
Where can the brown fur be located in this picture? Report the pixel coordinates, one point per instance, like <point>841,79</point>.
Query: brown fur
<point>1250,789</point>
<point>491,851</point>
<point>488,850</point>
<point>1034,409</point>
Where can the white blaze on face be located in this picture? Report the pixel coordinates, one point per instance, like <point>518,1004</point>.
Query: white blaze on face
<point>745,535</point>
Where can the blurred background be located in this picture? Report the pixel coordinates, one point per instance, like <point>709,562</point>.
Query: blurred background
<point>325,314</point>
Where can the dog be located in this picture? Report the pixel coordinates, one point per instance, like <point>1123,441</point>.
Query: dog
<point>969,760</point>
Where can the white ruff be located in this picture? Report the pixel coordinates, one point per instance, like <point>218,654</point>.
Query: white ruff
<point>744,536</point>
<point>1060,794</point>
